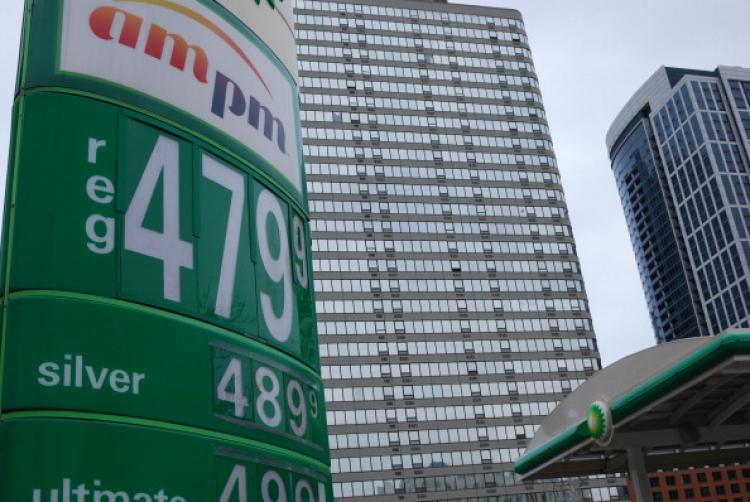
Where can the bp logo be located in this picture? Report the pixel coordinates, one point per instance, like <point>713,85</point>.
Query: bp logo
<point>599,419</point>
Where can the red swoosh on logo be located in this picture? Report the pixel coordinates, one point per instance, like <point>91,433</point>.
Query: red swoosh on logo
<point>181,9</point>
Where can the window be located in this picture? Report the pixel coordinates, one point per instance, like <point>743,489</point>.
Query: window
<point>396,461</point>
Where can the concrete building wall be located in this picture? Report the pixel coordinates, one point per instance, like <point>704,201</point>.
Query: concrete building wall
<point>452,313</point>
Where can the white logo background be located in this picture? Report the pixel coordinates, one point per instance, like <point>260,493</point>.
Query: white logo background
<point>83,52</point>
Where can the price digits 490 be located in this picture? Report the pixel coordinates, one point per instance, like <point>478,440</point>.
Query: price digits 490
<point>251,483</point>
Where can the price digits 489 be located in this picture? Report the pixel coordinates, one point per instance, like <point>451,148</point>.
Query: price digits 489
<point>260,393</point>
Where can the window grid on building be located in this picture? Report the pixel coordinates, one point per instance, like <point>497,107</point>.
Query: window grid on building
<point>682,169</point>
<point>452,314</point>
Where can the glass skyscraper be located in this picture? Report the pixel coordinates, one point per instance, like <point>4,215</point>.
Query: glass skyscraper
<point>679,151</point>
<point>452,314</point>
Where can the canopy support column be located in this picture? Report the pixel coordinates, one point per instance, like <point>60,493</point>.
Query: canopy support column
<point>638,475</point>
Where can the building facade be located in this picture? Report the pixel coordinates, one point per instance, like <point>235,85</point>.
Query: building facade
<point>679,151</point>
<point>728,483</point>
<point>452,313</point>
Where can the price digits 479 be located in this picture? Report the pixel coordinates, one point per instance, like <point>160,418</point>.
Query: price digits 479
<point>285,263</point>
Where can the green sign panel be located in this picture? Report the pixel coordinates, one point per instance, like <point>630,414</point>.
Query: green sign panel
<point>84,460</point>
<point>186,61</point>
<point>117,205</point>
<point>82,353</point>
<point>158,323</point>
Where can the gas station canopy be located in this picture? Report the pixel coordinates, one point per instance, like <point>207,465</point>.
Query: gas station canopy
<point>680,404</point>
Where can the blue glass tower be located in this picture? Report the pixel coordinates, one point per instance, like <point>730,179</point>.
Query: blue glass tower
<point>679,152</point>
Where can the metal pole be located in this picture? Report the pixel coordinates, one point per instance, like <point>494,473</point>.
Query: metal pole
<point>638,476</point>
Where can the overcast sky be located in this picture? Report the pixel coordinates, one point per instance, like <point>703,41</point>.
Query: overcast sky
<point>591,56</point>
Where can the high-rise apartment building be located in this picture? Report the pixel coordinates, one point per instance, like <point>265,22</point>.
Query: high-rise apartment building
<point>679,151</point>
<point>451,309</point>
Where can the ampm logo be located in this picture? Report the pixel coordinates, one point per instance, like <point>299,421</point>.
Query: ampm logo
<point>102,22</point>
<point>175,49</point>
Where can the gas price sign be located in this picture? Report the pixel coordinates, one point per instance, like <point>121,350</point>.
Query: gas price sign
<point>158,291</point>
<point>157,217</point>
<point>150,466</point>
<point>83,353</point>
<point>189,61</point>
